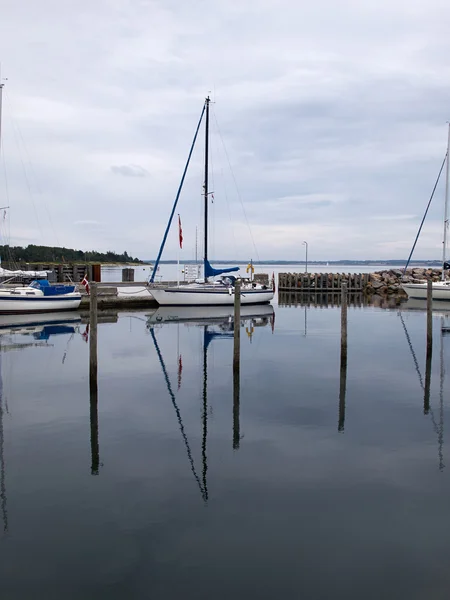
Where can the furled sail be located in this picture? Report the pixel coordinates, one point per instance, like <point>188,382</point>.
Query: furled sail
<point>211,272</point>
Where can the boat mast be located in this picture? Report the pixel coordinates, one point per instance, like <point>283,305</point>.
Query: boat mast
<point>444,243</point>
<point>205,186</point>
<point>1,98</point>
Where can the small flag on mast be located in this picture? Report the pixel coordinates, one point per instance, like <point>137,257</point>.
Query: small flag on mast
<point>85,283</point>
<point>180,232</point>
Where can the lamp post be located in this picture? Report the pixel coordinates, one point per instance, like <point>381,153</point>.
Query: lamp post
<point>306,261</point>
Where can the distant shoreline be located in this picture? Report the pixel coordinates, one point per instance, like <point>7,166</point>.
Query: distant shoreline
<point>331,263</point>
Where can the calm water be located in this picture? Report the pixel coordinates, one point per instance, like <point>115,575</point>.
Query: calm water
<point>181,484</point>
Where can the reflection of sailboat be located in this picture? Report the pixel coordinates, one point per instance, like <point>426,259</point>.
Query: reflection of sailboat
<point>2,457</point>
<point>440,307</point>
<point>208,314</point>
<point>27,324</point>
<point>201,484</point>
<point>219,325</point>
<point>438,428</point>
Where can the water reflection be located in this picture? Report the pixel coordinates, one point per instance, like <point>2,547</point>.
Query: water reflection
<point>16,331</point>
<point>218,324</point>
<point>93,417</point>
<point>2,455</point>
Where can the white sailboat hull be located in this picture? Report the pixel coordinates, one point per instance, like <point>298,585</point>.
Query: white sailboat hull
<point>183,296</point>
<point>199,314</point>
<point>440,290</point>
<point>36,304</point>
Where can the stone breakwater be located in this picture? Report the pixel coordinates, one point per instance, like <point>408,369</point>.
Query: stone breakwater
<point>381,283</point>
<point>389,281</point>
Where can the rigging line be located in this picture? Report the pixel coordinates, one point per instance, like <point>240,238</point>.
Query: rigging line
<point>425,215</point>
<point>27,180</point>
<point>10,257</point>
<point>416,364</point>
<point>16,124</point>
<point>236,185</point>
<point>212,219</point>
<point>178,413</point>
<point>433,419</point>
<point>229,212</point>
<point>180,187</point>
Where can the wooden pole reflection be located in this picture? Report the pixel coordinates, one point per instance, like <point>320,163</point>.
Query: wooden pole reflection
<point>236,365</point>
<point>93,383</point>
<point>343,369</point>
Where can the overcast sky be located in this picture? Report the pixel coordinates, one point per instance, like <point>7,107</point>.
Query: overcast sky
<point>332,114</point>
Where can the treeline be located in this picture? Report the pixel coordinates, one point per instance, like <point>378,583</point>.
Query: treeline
<point>54,254</point>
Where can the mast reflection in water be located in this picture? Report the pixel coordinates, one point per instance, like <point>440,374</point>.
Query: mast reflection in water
<point>217,323</point>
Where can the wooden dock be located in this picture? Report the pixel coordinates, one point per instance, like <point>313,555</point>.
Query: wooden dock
<point>321,299</point>
<point>322,282</point>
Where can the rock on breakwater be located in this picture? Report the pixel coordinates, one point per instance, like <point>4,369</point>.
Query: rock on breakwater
<point>389,281</point>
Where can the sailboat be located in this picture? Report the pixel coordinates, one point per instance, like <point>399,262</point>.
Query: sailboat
<point>440,289</point>
<point>40,295</point>
<point>217,286</point>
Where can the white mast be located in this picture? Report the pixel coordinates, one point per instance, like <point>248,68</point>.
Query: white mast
<point>444,243</point>
<point>1,97</point>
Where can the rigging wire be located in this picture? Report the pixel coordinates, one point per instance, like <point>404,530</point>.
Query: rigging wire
<point>15,134</point>
<point>224,187</point>
<point>425,215</point>
<point>6,235</point>
<point>416,364</point>
<point>27,154</point>
<point>212,209</point>
<point>203,492</point>
<point>236,185</point>
<point>229,211</point>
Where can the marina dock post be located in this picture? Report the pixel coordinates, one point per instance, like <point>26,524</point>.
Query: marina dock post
<point>236,365</point>
<point>93,384</point>
<point>343,369</point>
<point>237,323</point>
<point>426,396</point>
<point>93,335</point>
<point>429,313</point>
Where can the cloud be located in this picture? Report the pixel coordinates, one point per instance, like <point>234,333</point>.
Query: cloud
<point>129,170</point>
<point>87,223</point>
<point>333,119</point>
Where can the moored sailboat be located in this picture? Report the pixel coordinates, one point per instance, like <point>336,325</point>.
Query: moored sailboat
<point>217,287</point>
<point>40,295</point>
<point>440,289</point>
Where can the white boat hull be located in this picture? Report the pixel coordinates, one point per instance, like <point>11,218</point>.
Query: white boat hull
<point>440,290</point>
<point>187,314</point>
<point>29,322</point>
<point>37,304</point>
<point>207,297</point>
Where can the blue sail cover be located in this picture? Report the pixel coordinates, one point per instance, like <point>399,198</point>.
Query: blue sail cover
<point>209,336</point>
<point>211,272</point>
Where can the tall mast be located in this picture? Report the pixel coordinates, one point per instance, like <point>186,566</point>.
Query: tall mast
<point>444,243</point>
<point>206,177</point>
<point>1,97</point>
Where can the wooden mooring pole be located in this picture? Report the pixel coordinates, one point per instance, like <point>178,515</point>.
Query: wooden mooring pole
<point>93,384</point>
<point>429,313</point>
<point>236,365</point>
<point>426,397</point>
<point>343,369</point>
